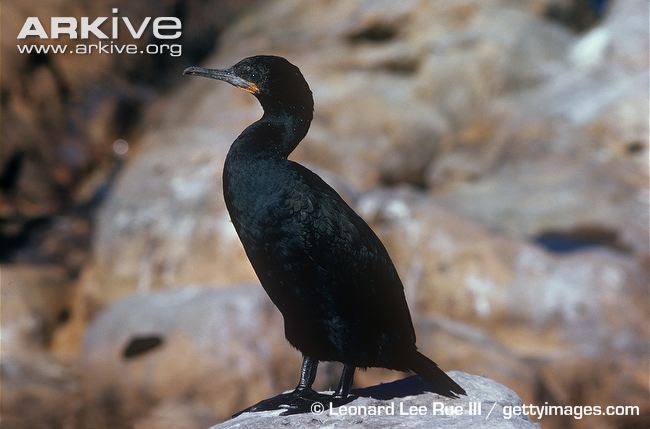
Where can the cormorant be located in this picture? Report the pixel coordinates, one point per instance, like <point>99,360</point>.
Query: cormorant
<point>320,263</point>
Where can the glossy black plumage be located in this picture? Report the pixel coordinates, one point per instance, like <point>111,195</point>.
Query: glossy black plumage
<point>320,263</point>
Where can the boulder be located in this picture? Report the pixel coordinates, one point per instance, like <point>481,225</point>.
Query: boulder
<point>567,156</point>
<point>36,301</point>
<point>38,392</point>
<point>176,414</point>
<point>526,317</point>
<point>406,404</point>
<point>196,352</point>
<point>206,352</point>
<point>66,111</point>
<point>180,234</point>
<point>452,266</point>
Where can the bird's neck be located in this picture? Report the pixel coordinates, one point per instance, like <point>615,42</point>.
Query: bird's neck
<point>276,134</point>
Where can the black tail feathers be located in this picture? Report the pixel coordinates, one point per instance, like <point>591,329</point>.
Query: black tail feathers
<point>440,382</point>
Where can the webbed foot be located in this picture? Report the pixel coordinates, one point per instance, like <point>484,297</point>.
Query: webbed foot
<point>310,401</point>
<point>298,401</point>
<point>319,404</point>
<point>304,399</point>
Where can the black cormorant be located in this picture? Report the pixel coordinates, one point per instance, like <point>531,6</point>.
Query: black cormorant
<point>319,262</point>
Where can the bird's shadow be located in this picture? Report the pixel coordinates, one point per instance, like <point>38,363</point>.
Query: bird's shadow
<point>409,386</point>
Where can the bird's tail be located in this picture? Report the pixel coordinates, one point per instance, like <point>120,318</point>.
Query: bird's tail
<point>440,382</point>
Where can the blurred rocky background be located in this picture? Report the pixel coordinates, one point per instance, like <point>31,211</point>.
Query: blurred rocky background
<point>498,147</point>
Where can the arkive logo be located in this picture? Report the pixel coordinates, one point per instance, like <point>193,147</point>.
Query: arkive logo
<point>101,28</point>
<point>164,27</point>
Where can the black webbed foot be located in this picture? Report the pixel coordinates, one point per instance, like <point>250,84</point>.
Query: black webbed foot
<point>331,401</point>
<point>303,399</point>
<point>298,401</point>
<point>273,403</point>
<point>305,403</point>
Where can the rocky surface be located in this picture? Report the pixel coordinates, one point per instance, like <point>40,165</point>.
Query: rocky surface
<point>61,115</point>
<point>35,301</point>
<point>498,147</point>
<point>528,225</point>
<point>515,300</point>
<point>207,353</point>
<point>502,151</point>
<point>566,156</point>
<point>216,350</point>
<point>406,404</point>
<point>38,392</point>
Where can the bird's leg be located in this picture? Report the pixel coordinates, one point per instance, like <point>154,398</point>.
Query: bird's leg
<point>305,401</point>
<point>307,373</point>
<point>341,395</point>
<point>345,384</point>
<point>300,399</point>
<point>303,398</point>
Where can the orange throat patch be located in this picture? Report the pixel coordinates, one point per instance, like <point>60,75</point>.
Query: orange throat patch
<point>252,88</point>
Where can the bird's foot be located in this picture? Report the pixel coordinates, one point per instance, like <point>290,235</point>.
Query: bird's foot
<point>338,400</point>
<point>299,401</point>
<point>315,402</point>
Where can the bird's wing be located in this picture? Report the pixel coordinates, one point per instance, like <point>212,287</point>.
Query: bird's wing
<point>342,245</point>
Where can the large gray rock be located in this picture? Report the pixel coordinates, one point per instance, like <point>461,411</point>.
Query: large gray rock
<point>405,404</point>
<point>568,155</point>
<point>452,266</point>
<point>533,320</point>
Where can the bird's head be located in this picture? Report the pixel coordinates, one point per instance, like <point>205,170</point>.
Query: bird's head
<point>273,80</point>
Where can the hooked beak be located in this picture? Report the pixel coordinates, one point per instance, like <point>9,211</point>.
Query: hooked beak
<point>224,75</point>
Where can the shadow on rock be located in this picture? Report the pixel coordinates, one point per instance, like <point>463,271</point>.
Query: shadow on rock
<point>408,386</point>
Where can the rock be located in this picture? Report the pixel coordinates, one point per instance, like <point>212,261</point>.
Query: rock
<point>580,15</point>
<point>131,358</point>
<point>432,57</point>
<point>452,266</point>
<point>38,392</point>
<point>181,235</point>
<point>35,302</point>
<point>57,158</point>
<point>524,251</point>
<point>66,110</point>
<point>485,300</point>
<point>492,399</point>
<point>174,415</point>
<point>527,143</point>
<point>567,156</point>
<point>216,351</point>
